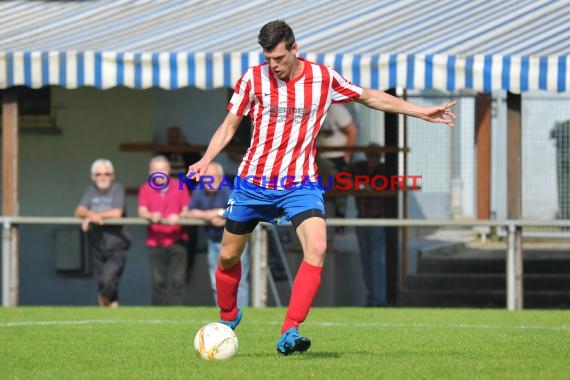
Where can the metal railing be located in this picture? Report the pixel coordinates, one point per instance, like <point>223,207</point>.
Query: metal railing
<point>514,253</point>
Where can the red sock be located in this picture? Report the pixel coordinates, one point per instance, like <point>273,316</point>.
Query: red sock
<point>227,282</point>
<point>305,287</point>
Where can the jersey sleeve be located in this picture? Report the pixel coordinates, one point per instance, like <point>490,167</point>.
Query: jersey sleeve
<point>343,91</point>
<point>241,100</point>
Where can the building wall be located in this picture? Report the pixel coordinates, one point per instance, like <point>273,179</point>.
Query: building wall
<point>540,112</point>
<point>431,152</point>
<point>54,169</point>
<point>197,112</point>
<point>539,162</point>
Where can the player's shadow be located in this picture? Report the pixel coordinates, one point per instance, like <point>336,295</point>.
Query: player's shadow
<point>320,355</point>
<point>306,355</point>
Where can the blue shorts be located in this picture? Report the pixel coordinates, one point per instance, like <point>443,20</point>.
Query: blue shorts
<point>255,203</point>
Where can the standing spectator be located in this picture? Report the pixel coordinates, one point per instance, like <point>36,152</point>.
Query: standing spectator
<point>372,239</point>
<point>161,202</point>
<point>108,245</point>
<point>179,162</point>
<point>327,174</point>
<point>209,203</point>
<point>338,130</point>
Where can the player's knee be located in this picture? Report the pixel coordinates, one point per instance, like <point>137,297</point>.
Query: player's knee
<point>317,247</point>
<point>227,262</point>
<point>229,256</point>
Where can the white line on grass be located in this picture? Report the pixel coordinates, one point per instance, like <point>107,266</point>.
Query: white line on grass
<point>318,324</point>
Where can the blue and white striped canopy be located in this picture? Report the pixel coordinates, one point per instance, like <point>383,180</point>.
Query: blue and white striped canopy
<point>514,45</point>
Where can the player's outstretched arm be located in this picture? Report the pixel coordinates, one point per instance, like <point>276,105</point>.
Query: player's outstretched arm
<point>382,101</point>
<point>219,140</point>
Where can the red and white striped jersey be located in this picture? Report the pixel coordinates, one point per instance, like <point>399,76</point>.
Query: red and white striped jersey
<point>286,118</point>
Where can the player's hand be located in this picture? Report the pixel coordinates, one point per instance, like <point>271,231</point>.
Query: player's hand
<point>197,169</point>
<point>441,114</point>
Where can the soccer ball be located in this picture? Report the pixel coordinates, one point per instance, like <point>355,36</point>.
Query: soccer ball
<point>215,341</point>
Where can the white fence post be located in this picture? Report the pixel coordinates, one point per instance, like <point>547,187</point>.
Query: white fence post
<point>519,262</point>
<point>259,266</point>
<point>6,263</point>
<point>511,268</point>
<point>514,268</point>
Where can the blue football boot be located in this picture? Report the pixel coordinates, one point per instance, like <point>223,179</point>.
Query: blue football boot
<point>291,341</point>
<point>233,324</point>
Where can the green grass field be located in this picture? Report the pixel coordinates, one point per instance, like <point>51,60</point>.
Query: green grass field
<point>348,343</point>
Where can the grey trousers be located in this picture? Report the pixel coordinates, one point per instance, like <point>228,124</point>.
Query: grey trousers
<point>168,268</point>
<point>107,267</point>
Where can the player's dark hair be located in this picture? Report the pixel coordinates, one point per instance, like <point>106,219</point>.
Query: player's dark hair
<point>272,33</point>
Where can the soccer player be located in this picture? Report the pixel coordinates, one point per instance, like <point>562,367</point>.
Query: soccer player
<point>287,98</point>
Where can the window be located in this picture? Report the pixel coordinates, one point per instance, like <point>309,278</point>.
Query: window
<point>35,110</point>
